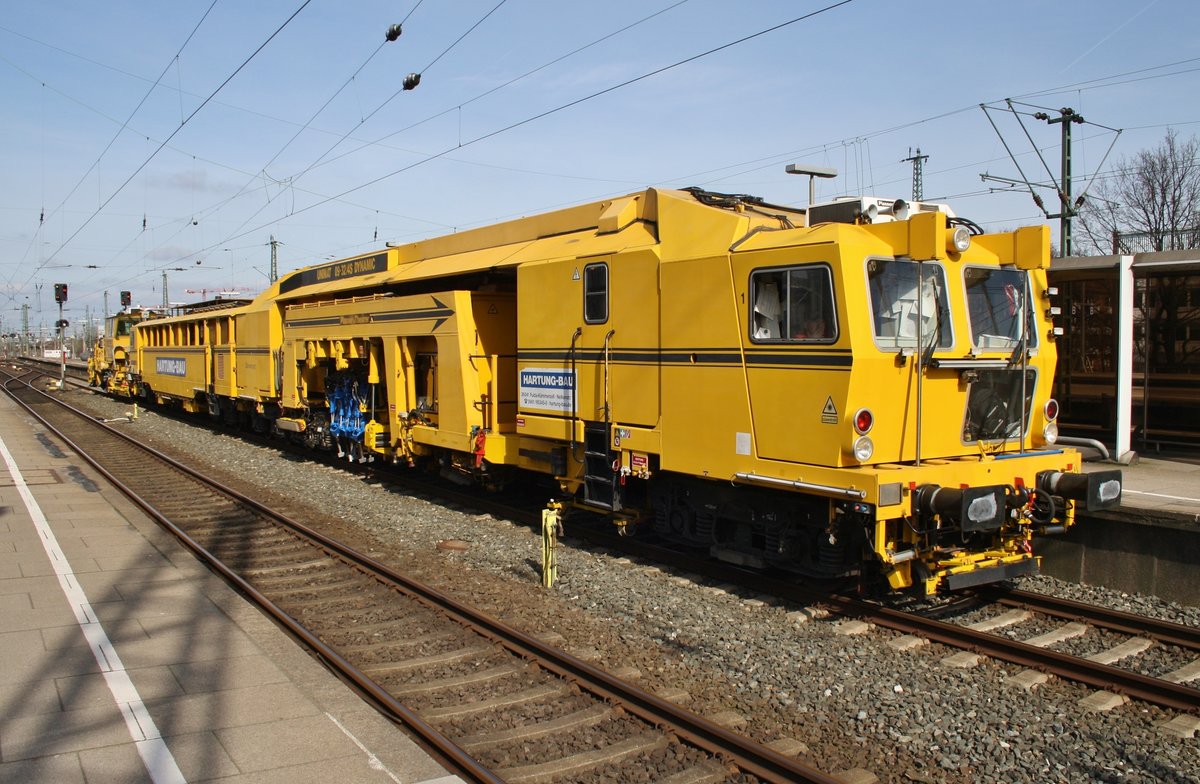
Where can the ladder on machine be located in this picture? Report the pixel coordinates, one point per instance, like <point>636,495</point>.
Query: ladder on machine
<point>600,487</point>
<point>599,480</point>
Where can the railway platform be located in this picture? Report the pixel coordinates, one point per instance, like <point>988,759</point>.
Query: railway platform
<point>1150,545</point>
<point>126,660</point>
<point>1159,489</point>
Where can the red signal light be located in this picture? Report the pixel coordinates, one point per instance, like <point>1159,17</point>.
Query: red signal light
<point>864,420</point>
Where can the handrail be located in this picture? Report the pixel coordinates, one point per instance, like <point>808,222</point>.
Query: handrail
<point>1089,442</point>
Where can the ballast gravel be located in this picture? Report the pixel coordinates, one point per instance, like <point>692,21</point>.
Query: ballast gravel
<point>850,700</point>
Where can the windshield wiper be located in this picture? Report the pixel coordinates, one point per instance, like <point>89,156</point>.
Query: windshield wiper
<point>927,352</point>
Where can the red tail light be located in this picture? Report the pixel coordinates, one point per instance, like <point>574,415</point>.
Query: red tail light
<point>863,421</point>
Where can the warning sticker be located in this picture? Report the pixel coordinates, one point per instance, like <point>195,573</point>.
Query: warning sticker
<point>829,415</point>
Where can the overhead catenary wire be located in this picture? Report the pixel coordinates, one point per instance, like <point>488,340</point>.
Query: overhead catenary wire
<point>689,178</point>
<point>486,93</point>
<point>1090,84</point>
<point>1107,81</point>
<point>120,130</point>
<point>515,79</point>
<point>559,108</point>
<point>295,177</point>
<point>1097,83</point>
<point>318,112</point>
<point>459,107</point>
<point>777,157</point>
<point>183,223</point>
<point>152,155</point>
<point>393,96</point>
<point>859,137</point>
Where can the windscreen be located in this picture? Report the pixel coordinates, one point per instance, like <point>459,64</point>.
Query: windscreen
<point>994,410</point>
<point>907,298</point>
<point>995,303</point>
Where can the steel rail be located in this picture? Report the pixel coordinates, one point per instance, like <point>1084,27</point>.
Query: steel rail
<point>749,756</point>
<point>1100,676</point>
<point>1114,620</point>
<point>462,762</point>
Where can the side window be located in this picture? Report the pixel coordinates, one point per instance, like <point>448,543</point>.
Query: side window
<point>595,293</point>
<point>766,292</point>
<point>793,305</point>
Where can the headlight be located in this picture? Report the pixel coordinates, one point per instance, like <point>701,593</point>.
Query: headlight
<point>1050,433</point>
<point>959,240</point>
<point>863,449</point>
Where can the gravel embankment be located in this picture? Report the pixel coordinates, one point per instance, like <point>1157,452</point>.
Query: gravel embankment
<point>852,700</point>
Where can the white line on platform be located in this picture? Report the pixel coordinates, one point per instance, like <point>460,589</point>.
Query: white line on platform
<point>1162,495</point>
<point>372,760</point>
<point>154,752</point>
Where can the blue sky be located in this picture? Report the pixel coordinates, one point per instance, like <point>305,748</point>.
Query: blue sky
<point>854,87</point>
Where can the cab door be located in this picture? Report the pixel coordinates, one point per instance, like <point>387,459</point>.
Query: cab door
<point>797,359</point>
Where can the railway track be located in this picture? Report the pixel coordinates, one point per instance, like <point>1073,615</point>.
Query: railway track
<point>1111,670</point>
<point>495,704</point>
<point>74,370</point>
<point>1098,670</point>
<point>1162,632</point>
<point>1129,664</point>
<point>998,637</point>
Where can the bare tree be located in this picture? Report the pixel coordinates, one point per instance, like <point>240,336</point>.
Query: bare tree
<point>1150,203</point>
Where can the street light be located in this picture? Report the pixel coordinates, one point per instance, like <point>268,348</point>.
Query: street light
<point>813,172</point>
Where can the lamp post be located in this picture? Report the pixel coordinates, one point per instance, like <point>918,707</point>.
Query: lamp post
<point>813,172</point>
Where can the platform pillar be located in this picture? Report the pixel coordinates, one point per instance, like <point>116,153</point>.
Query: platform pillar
<point>1125,309</point>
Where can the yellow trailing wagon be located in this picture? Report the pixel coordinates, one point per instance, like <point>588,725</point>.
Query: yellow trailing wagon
<point>859,389</point>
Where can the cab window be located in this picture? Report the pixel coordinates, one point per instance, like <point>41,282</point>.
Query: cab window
<point>995,302</point>
<point>908,299</point>
<point>793,305</point>
<point>595,293</point>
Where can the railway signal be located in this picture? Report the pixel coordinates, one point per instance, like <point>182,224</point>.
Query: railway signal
<point>60,296</point>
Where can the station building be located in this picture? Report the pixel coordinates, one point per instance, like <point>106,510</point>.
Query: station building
<point>1129,357</point>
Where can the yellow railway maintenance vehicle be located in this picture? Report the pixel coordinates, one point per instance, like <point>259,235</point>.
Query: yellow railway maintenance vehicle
<point>859,390</point>
<point>108,367</point>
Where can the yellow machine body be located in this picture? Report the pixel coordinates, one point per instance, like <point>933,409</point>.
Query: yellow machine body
<point>695,363</point>
<point>109,364</point>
